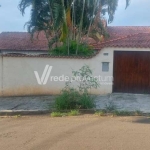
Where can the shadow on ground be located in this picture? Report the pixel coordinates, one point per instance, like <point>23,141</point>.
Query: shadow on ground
<point>142,120</point>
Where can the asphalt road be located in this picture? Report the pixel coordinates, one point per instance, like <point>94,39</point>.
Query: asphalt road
<point>75,133</point>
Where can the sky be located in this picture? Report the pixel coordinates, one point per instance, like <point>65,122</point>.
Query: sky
<point>137,14</point>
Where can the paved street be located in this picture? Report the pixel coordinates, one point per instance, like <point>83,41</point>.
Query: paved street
<point>75,133</point>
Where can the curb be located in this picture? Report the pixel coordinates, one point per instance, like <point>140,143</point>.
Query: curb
<point>23,112</point>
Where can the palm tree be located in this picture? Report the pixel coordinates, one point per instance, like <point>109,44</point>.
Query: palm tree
<point>63,19</point>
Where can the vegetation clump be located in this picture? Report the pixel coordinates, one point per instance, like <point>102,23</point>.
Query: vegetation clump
<point>70,113</point>
<point>111,109</point>
<point>56,114</point>
<point>74,113</point>
<point>100,113</point>
<point>79,97</point>
<point>84,49</point>
<point>118,113</point>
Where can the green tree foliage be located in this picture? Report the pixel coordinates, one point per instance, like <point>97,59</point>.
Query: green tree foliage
<point>69,19</point>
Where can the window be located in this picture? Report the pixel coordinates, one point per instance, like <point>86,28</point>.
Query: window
<point>105,66</point>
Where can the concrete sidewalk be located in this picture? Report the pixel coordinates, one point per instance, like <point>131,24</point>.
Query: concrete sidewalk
<point>43,104</point>
<point>26,105</point>
<point>126,102</point>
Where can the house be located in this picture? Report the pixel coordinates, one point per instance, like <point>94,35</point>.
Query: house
<point>122,63</point>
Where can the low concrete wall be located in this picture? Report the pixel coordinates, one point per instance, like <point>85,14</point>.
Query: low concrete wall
<point>18,77</point>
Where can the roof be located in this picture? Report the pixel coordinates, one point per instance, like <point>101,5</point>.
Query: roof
<point>139,40</point>
<point>126,37</point>
<point>129,36</point>
<point>121,31</point>
<point>22,41</point>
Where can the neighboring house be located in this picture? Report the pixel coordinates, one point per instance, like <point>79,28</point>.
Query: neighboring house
<point>125,56</point>
<point>21,42</point>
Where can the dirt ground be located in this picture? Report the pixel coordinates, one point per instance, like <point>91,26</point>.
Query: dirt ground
<point>75,133</point>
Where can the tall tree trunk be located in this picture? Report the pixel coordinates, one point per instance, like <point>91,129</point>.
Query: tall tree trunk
<point>80,27</point>
<point>96,2</point>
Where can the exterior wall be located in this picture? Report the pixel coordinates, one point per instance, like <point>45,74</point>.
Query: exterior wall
<point>19,78</point>
<point>1,86</point>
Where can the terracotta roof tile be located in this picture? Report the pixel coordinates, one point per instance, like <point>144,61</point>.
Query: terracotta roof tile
<point>140,40</point>
<point>119,37</point>
<point>120,31</point>
<point>22,41</point>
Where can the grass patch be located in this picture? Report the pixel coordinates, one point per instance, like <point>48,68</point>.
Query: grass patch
<point>138,113</point>
<point>74,113</point>
<point>127,113</point>
<point>56,114</point>
<point>17,116</point>
<point>101,113</point>
<point>118,113</point>
<point>70,113</point>
<point>122,113</point>
<point>98,113</point>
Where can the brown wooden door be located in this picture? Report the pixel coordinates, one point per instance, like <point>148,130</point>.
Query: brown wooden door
<point>131,72</point>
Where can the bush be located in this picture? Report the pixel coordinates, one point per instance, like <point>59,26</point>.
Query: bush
<point>72,99</point>
<point>83,49</point>
<point>67,100</point>
<point>86,101</point>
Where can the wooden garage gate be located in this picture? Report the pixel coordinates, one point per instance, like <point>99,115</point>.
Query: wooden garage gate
<point>131,72</point>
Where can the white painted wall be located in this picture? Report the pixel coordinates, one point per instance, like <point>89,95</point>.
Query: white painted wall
<point>19,78</point>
